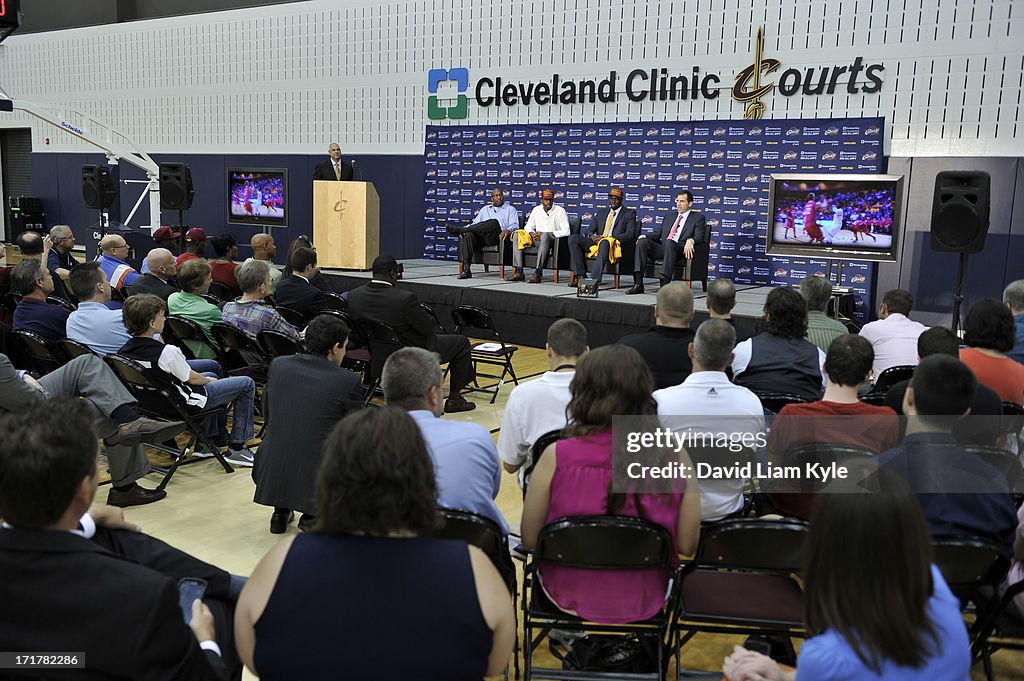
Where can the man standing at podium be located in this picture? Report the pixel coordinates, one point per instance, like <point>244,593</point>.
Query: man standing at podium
<point>493,223</point>
<point>335,168</point>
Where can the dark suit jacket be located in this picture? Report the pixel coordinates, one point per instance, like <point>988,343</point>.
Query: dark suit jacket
<point>398,308</point>
<point>73,595</point>
<point>304,398</point>
<point>295,292</point>
<point>665,349</point>
<point>325,171</point>
<point>148,283</point>
<point>695,227</point>
<point>624,229</point>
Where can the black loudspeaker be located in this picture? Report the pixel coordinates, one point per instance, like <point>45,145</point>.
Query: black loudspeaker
<point>176,192</point>
<point>960,211</point>
<point>98,189</point>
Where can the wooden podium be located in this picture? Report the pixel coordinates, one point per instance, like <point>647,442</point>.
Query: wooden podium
<point>346,224</point>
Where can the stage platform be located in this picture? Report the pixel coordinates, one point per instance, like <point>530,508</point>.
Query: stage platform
<point>522,312</point>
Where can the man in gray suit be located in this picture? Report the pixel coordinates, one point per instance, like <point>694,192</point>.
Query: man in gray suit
<point>680,232</point>
<point>111,405</point>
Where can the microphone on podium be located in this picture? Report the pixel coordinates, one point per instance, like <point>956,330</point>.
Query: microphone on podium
<point>357,174</point>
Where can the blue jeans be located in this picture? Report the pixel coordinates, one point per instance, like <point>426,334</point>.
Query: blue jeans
<point>206,367</point>
<point>237,390</point>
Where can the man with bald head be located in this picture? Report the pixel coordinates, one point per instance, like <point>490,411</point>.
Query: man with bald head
<point>664,345</point>
<point>114,250</point>
<point>334,168</point>
<point>263,248</point>
<point>160,278</point>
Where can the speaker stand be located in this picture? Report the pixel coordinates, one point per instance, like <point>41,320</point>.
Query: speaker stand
<point>958,294</point>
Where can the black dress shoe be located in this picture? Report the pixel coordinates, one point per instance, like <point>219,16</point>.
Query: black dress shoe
<point>466,275</point>
<point>279,521</point>
<point>663,280</point>
<point>134,496</point>
<point>637,288</point>
<point>306,522</point>
<point>456,404</point>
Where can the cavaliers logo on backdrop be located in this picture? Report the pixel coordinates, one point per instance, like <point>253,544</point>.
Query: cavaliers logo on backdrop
<point>789,155</point>
<point>781,272</point>
<point>648,198</point>
<point>858,279</point>
<point>651,154</point>
<point>751,178</point>
<point>587,196</point>
<point>869,156</point>
<point>619,175</point>
<point>712,267</point>
<point>792,131</point>
<point>872,130</point>
<point>562,133</point>
<point>533,153</point>
<point>832,131</point>
<point>652,132</point>
<point>828,156</point>
<point>586,217</point>
<point>685,153</point>
<point>650,176</point>
<point>715,199</point>
<point>531,173</point>
<point>647,219</point>
<point>591,132</point>
<point>561,153</point>
<point>589,175</point>
<point>754,132</point>
<point>712,245</point>
<point>753,154</point>
<point>719,132</point>
<point>747,247</point>
<point>712,223</point>
<point>718,153</point>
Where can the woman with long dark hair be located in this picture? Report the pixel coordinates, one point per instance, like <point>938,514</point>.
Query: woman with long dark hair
<point>874,605</point>
<point>350,599</point>
<point>576,476</point>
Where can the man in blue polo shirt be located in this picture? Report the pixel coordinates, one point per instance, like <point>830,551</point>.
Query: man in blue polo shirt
<point>34,282</point>
<point>114,250</point>
<point>93,323</point>
<point>493,223</point>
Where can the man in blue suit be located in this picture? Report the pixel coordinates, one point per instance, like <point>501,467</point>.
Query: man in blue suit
<point>680,232</point>
<point>615,222</point>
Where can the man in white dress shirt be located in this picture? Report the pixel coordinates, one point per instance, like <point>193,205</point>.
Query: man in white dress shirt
<point>547,222</point>
<point>893,336</point>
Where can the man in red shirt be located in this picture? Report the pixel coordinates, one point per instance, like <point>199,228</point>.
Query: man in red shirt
<point>195,246</point>
<point>840,418</point>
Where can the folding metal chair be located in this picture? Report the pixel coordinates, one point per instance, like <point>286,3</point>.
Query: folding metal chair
<point>157,401</point>
<point>293,317</point>
<point>383,341</point>
<point>187,331</point>
<point>475,322</point>
<point>334,301</point>
<point>536,450</point>
<point>42,356</point>
<point>72,349</point>
<point>222,292</point>
<point>595,543</point>
<point>277,344</point>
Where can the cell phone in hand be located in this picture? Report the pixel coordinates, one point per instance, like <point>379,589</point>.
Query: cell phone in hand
<point>190,589</point>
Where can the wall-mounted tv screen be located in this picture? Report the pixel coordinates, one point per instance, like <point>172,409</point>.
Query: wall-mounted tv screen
<point>841,217</point>
<point>258,196</point>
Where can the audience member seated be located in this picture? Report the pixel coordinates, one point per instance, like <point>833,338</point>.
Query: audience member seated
<point>1016,573</point>
<point>93,323</point>
<point>295,290</point>
<point>195,247</point>
<point>821,329</point>
<point>34,282</point>
<point>961,495</point>
<point>144,319</point>
<point>893,336</point>
<point>721,299</point>
<point>864,553</point>
<point>663,346</point>
<point>112,407</point>
<point>838,418</point>
<point>537,407</point>
<point>55,569</point>
<point>779,360</point>
<point>114,249</point>
<point>989,333</point>
<point>194,277</point>
<point>371,557</point>
<point>707,398</point>
<point>982,425</point>
<point>33,246</point>
<point>264,249</point>
<point>465,459</point>
<point>305,396</point>
<point>574,478</point>
<point>59,261</point>
<point>224,266</point>
<point>161,278</point>
<point>317,279</point>
<point>250,313</point>
<point>1013,296</point>
<point>166,238</point>
<point>382,301</point>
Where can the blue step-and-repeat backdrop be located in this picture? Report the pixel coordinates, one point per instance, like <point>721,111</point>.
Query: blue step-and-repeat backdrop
<point>725,164</point>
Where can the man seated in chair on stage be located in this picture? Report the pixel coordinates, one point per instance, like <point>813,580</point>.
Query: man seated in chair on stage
<point>546,224</point>
<point>680,232</point>
<point>383,302</point>
<point>612,226</point>
<point>492,224</point>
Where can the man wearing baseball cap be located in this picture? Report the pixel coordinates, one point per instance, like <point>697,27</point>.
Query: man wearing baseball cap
<point>165,237</point>
<point>195,246</point>
<point>612,226</point>
<point>547,223</point>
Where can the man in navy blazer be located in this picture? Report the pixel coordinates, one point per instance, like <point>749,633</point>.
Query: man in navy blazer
<point>680,232</point>
<point>614,221</point>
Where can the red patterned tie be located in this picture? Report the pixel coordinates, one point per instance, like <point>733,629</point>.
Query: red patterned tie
<point>675,228</point>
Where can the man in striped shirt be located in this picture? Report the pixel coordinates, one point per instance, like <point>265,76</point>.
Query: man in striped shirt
<point>821,329</point>
<point>250,314</point>
<point>114,250</point>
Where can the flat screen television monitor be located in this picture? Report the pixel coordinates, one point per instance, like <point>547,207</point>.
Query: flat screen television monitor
<point>258,196</point>
<point>838,217</point>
